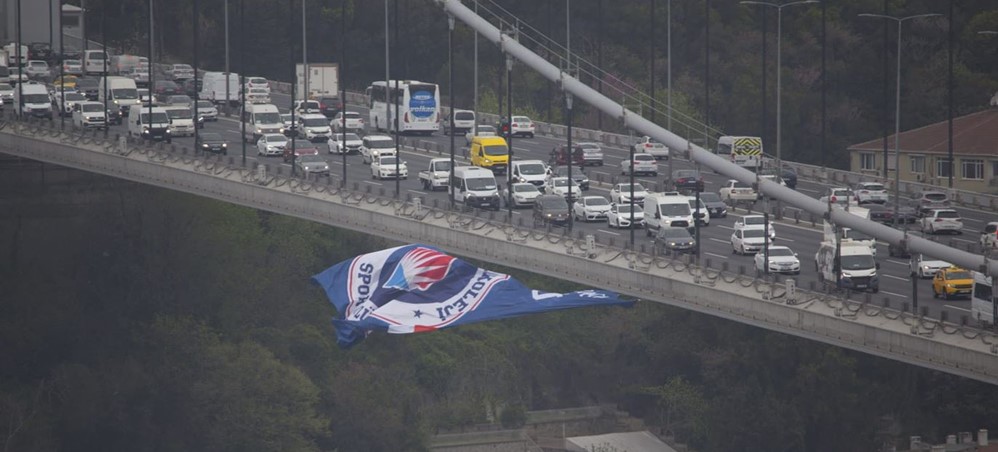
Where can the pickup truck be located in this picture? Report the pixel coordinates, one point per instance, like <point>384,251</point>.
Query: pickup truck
<point>436,174</point>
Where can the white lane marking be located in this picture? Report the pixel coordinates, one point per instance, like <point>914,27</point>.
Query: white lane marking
<point>418,192</point>
<point>965,240</point>
<point>726,227</point>
<point>372,183</point>
<point>720,241</point>
<point>895,277</point>
<point>716,255</point>
<point>954,307</point>
<point>895,294</point>
<point>608,232</point>
<point>975,220</point>
<point>897,262</point>
<point>784,239</point>
<point>807,190</point>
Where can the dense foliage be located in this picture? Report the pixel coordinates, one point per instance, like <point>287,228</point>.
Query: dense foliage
<point>155,320</point>
<point>860,57</point>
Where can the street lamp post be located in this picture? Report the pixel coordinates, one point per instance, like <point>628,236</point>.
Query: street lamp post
<point>450,85</point>
<point>779,69</point>
<point>897,110</point>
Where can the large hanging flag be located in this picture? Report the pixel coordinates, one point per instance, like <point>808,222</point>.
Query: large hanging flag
<point>417,288</point>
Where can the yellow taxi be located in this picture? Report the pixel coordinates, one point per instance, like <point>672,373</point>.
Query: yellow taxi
<point>951,282</point>
<point>69,81</point>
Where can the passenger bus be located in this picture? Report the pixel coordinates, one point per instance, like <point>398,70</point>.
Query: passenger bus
<point>981,301</point>
<point>743,151</point>
<point>418,104</point>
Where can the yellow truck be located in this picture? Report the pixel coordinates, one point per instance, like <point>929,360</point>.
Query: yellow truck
<point>490,153</point>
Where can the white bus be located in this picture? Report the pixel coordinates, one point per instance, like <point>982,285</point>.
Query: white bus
<point>418,104</point>
<point>981,302</point>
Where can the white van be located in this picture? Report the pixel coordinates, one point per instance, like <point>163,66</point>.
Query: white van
<point>181,120</point>
<point>213,87</point>
<point>314,127</point>
<point>261,119</point>
<point>149,123</point>
<point>474,186</point>
<point>667,210</point>
<point>121,93</point>
<point>95,62</point>
<point>532,171</point>
<point>33,100</point>
<point>11,49</point>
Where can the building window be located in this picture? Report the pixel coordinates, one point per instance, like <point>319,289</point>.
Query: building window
<point>973,169</point>
<point>867,161</point>
<point>994,168</point>
<point>943,168</point>
<point>918,164</point>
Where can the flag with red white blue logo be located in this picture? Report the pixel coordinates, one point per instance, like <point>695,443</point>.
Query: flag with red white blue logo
<point>418,288</point>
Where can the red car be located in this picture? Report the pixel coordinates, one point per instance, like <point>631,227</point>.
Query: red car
<point>301,147</point>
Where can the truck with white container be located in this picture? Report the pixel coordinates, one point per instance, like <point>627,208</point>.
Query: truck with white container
<point>323,80</point>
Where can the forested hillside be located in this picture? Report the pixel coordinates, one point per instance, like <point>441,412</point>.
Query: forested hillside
<point>860,56</point>
<point>158,321</point>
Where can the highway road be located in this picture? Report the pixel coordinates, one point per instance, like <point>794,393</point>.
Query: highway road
<point>895,283</point>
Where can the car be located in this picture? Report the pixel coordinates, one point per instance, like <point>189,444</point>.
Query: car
<point>257,82</point>
<point>643,164</point>
<point>207,110</point>
<point>522,126</point>
<point>483,131</point>
<point>622,214</point>
<point>715,207</point>
<point>989,236</point>
<point>674,240</point>
<point>464,120</point>
<point>704,213</point>
<point>72,67</point>
<point>930,199</point>
<point>621,193</point>
<point>353,121</point>
<point>191,86</point>
<point>176,99</point>
<point>590,208</point>
<point>329,106</point>
<point>352,144</point>
<point>755,221</point>
<point>938,220</point>
<point>385,167</point>
<point>313,126</point>
<point>781,260</point>
<point>301,107</point>
<point>288,123</point>
<point>772,178</point>
<point>550,210</point>
<point>89,87</point>
<point>300,147</point>
<point>67,82</point>
<point>687,180</point>
<point>648,145</point>
<point>140,75</point>
<point>841,196</point>
<point>88,114</point>
<point>271,144</point>
<point>522,194</point>
<point>6,93</point>
<point>578,175</point>
<point>898,251</point>
<point>736,191</point>
<point>870,192</point>
<point>143,95</point>
<point>72,98</point>
<point>180,71</point>
<point>747,240</point>
<point>559,156</point>
<point>592,154</point>
<point>259,96</point>
<point>163,88</point>
<point>39,51</point>
<point>373,146</point>
<point>952,282</point>
<point>789,177</point>
<point>312,164</point>
<point>559,185</point>
<point>923,267</point>
<point>37,69</point>
<point>211,142</point>
<point>885,214</point>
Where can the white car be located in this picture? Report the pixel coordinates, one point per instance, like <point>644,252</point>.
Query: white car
<point>352,144</point>
<point>781,260</point>
<point>559,186</point>
<point>871,192</point>
<point>938,220</point>
<point>271,144</point>
<point>643,164</point>
<point>374,146</point>
<point>181,72</point>
<point>89,115</point>
<point>734,191</point>
<point>207,110</point>
<point>72,67</point>
<point>621,193</point>
<point>483,131</point>
<point>286,120</point>
<point>592,154</point>
<point>926,268</point>
<point>7,93</point>
<point>523,126</point>
<point>257,82</point>
<point>304,107</point>
<point>747,240</point>
<point>590,208</point>
<point>72,98</point>
<point>524,194</point>
<point>354,121</point>
<point>838,195</point>
<point>385,167</point>
<point>37,69</point>
<point>648,145</point>
<point>258,96</point>
<point>619,216</point>
<point>145,98</point>
<point>755,221</point>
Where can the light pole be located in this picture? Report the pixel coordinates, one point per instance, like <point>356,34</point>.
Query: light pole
<point>509,134</point>
<point>897,110</point>
<point>242,74</point>
<point>668,63</point>
<point>450,85</point>
<point>779,69</point>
